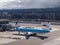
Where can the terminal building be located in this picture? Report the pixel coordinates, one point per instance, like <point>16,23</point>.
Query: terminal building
<point>4,24</point>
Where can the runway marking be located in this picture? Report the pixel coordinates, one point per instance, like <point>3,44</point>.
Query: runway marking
<point>53,42</point>
<point>4,41</point>
<point>7,37</point>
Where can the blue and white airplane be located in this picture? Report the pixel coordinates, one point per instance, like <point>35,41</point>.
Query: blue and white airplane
<point>34,31</point>
<point>45,29</point>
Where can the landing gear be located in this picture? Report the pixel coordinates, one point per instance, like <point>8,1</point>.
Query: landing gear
<point>33,34</point>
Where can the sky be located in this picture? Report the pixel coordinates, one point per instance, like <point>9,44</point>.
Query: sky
<point>22,4</point>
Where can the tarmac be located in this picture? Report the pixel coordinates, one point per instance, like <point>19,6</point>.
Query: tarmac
<point>52,38</point>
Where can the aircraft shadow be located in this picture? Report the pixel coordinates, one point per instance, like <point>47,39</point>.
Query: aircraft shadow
<point>28,36</point>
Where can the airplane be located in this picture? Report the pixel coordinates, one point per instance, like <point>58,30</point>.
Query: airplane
<point>46,28</point>
<point>32,32</point>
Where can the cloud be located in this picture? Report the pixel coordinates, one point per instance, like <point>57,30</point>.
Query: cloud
<point>18,4</point>
<point>41,3</point>
<point>10,4</point>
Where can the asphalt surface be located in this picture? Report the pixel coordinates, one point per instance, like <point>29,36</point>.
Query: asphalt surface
<point>52,38</point>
